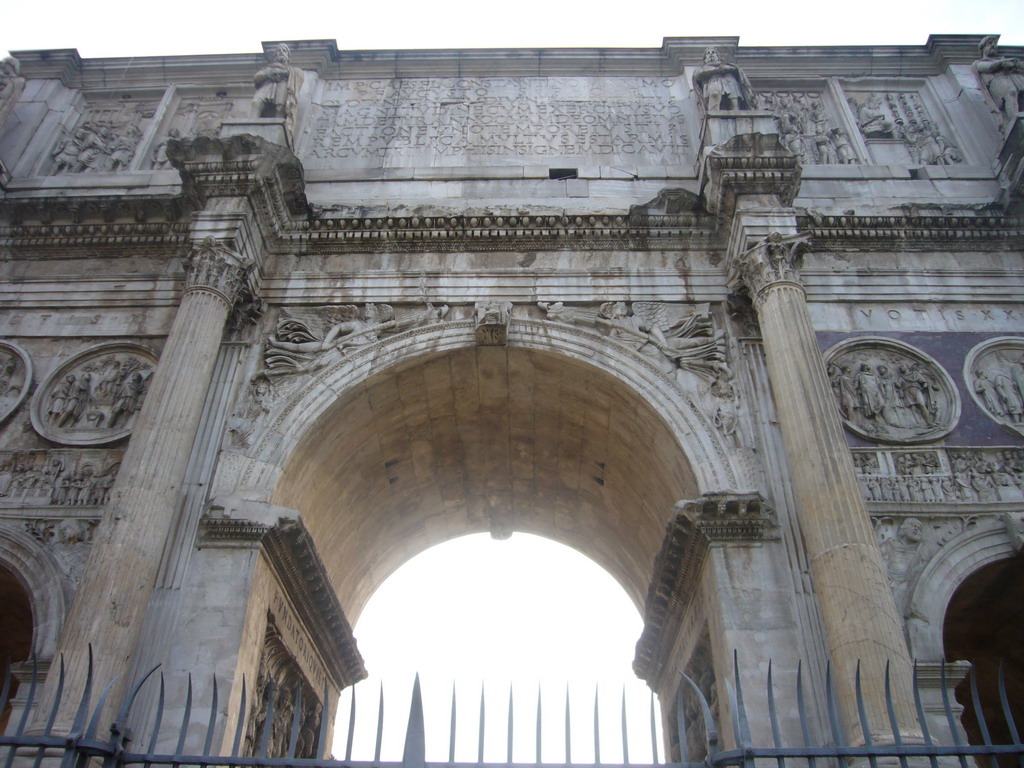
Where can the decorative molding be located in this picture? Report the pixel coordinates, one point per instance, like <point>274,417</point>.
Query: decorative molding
<point>714,517</point>
<point>774,259</point>
<point>748,164</point>
<point>291,554</point>
<point>213,266</point>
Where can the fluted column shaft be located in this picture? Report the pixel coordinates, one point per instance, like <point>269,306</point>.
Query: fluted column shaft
<point>860,617</point>
<point>113,594</point>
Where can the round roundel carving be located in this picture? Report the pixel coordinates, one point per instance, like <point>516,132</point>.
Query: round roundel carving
<point>15,378</point>
<point>994,372</point>
<point>887,391</point>
<point>95,397</point>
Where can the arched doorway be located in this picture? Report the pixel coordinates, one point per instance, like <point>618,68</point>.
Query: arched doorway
<point>982,625</point>
<point>15,630</point>
<point>480,439</point>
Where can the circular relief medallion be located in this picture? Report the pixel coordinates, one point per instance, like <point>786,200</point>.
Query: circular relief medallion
<point>887,391</point>
<point>94,398</point>
<point>994,372</point>
<point>15,378</point>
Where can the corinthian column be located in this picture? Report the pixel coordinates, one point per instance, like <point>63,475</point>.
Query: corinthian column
<point>112,597</point>
<point>857,607</point>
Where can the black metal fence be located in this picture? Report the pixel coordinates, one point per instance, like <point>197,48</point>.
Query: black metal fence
<point>111,744</point>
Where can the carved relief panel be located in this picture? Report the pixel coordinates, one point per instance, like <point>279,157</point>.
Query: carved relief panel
<point>15,378</point>
<point>199,115</point>
<point>899,128</point>
<point>65,478</point>
<point>94,398</point>
<point>886,391</point>
<point>941,476</point>
<point>104,139</point>
<point>808,128</point>
<point>994,372</point>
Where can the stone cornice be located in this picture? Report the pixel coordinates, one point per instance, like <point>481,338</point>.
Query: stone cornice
<point>242,166</point>
<point>292,555</point>
<point>712,519</point>
<point>748,164</point>
<point>324,57</point>
<point>918,232</point>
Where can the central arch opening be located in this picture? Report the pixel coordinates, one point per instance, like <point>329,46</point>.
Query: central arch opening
<point>485,439</point>
<point>525,625</point>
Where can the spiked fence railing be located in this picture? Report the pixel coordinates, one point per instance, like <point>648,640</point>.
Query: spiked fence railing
<point>115,747</point>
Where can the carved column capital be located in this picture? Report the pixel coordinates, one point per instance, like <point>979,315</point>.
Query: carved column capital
<point>214,267</point>
<point>773,260</point>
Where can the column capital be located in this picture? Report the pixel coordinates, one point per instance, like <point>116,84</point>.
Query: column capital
<point>770,261</point>
<point>215,267</point>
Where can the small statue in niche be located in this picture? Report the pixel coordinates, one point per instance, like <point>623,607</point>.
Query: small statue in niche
<point>1002,76</point>
<point>721,86</point>
<point>277,88</point>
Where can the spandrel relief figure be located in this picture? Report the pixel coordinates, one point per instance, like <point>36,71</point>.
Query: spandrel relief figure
<point>95,397</point>
<point>721,86</point>
<point>1003,77</point>
<point>15,378</point>
<point>308,340</point>
<point>887,392</point>
<point>687,342</point>
<point>277,88</point>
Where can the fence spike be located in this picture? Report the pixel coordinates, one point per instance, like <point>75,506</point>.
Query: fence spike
<point>684,745</point>
<point>480,733</point>
<point>321,742</point>
<point>451,729</point>
<point>240,725</point>
<point>743,732</point>
<point>212,722</point>
<point>862,715</point>
<point>773,716</point>
<point>654,732</point>
<point>94,723</point>
<point>83,705</point>
<point>351,724</point>
<point>29,699</point>
<point>539,730</point>
<point>625,737</point>
<point>597,728</point>
<point>976,702</point>
<point>122,714</point>
<point>922,719</point>
<point>568,727</point>
<point>890,709</point>
<point>8,674</point>
<point>951,719</point>
<point>158,719</point>
<point>508,732</point>
<point>53,712</point>
<point>293,740</point>
<point>833,708</point>
<point>414,754</point>
<point>801,707</point>
<point>709,721</point>
<point>380,723</point>
<point>185,718</point>
<point>1004,702</point>
<point>268,723</point>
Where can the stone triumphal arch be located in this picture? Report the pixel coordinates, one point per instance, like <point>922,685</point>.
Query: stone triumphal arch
<point>743,325</point>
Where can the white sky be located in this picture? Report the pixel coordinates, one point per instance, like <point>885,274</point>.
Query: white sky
<point>525,612</point>
<point>121,28</point>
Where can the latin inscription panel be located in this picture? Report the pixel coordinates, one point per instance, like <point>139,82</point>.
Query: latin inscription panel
<point>498,121</point>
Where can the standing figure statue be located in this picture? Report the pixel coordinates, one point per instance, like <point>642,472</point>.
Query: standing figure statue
<point>1003,76</point>
<point>277,89</point>
<point>722,86</point>
<point>11,86</point>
